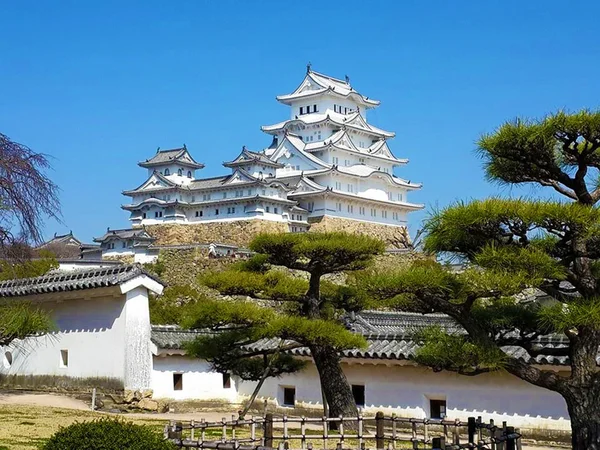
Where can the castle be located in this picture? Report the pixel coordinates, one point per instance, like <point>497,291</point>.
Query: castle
<point>326,160</point>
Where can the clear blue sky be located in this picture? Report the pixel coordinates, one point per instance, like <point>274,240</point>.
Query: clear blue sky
<point>100,85</point>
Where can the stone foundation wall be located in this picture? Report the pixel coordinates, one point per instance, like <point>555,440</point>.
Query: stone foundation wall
<point>238,233</point>
<point>394,237</point>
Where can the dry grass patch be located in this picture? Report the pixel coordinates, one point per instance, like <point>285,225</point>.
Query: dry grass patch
<point>26,427</point>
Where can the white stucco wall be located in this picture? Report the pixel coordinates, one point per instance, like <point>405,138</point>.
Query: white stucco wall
<point>138,354</point>
<point>199,382</point>
<point>406,390</point>
<point>91,330</point>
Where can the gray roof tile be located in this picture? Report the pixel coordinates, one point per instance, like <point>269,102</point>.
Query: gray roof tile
<point>61,281</point>
<point>389,335</point>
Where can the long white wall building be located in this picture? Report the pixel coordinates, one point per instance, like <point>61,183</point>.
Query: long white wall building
<point>325,160</point>
<point>104,331</point>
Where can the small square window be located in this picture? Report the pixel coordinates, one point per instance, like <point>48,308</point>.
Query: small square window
<point>64,359</point>
<point>358,392</point>
<point>289,396</point>
<point>216,212</point>
<point>178,382</point>
<point>226,381</point>
<point>437,409</point>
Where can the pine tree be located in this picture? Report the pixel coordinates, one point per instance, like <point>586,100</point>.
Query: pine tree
<point>510,246</point>
<point>255,339</point>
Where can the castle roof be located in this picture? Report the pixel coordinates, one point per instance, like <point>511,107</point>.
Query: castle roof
<point>365,171</point>
<point>315,83</point>
<point>247,157</point>
<point>176,155</point>
<point>63,281</point>
<point>342,141</point>
<point>389,336</point>
<point>138,234</point>
<point>352,121</point>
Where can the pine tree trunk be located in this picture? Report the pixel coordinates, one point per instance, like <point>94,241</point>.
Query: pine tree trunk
<point>334,382</point>
<point>585,422</point>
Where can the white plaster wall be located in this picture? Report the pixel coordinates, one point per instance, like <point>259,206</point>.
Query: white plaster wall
<point>405,390</point>
<point>199,382</point>
<point>138,354</point>
<point>143,255</point>
<point>93,332</point>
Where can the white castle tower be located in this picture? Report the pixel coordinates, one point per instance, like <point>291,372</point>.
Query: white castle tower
<point>325,161</point>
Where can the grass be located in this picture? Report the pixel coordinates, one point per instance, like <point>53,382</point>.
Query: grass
<point>27,427</point>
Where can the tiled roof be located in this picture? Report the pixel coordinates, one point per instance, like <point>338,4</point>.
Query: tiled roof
<point>62,281</point>
<point>128,233</point>
<point>389,335</point>
<point>180,155</point>
<point>173,337</point>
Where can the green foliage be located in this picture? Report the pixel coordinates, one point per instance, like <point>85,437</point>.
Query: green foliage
<point>157,267</point>
<point>459,353</point>
<point>28,269</point>
<point>172,306</point>
<point>318,252</point>
<point>466,228</point>
<point>107,434</point>
<point>561,318</point>
<point>523,151</point>
<point>19,320</point>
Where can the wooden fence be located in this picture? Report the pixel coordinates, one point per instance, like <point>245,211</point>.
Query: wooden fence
<point>377,432</point>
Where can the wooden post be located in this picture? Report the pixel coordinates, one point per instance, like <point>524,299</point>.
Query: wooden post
<point>268,430</point>
<point>379,431</point>
<point>471,430</point>
<point>94,399</point>
<point>518,440</point>
<point>510,441</point>
<point>438,443</point>
<point>175,431</point>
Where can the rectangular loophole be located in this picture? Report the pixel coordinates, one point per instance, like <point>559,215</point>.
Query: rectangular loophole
<point>177,381</point>
<point>358,392</point>
<point>226,381</point>
<point>64,358</point>
<point>289,396</point>
<point>437,409</point>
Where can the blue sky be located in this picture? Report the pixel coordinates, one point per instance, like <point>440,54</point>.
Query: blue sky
<point>100,85</point>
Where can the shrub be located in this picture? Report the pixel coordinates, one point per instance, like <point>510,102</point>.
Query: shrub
<point>107,434</point>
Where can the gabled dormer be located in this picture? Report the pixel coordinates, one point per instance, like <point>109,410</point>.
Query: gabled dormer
<point>155,182</point>
<point>255,163</point>
<point>177,164</point>
<point>291,155</point>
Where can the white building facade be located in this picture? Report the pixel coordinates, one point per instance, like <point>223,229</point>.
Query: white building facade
<point>104,331</point>
<point>326,160</point>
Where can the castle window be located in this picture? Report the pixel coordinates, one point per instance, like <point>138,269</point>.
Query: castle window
<point>197,213</point>
<point>189,174</point>
<point>358,392</point>
<point>216,212</point>
<point>226,381</point>
<point>124,244</point>
<point>314,108</point>
<point>339,206</point>
<point>64,359</point>
<point>225,194</point>
<point>180,172</point>
<point>350,188</point>
<point>275,210</point>
<point>267,209</point>
<point>301,110</point>
<point>437,409</point>
<point>167,172</point>
<point>249,191</point>
<point>143,215</point>
<point>338,185</point>
<point>350,209</point>
<point>289,396</point>
<point>384,214</point>
<point>178,382</point>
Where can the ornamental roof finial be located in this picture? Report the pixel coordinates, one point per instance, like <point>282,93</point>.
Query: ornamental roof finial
<point>157,150</point>
<point>347,79</point>
<point>184,147</point>
<point>243,148</point>
<point>308,66</point>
